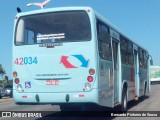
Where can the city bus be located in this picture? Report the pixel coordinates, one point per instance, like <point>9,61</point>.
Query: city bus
<point>74,57</point>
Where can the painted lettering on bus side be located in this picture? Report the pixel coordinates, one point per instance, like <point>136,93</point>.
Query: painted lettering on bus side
<point>26,61</point>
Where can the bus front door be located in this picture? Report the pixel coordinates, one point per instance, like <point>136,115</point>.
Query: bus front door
<point>115,57</point>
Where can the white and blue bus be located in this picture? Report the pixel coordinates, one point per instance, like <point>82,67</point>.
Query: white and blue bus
<point>73,56</point>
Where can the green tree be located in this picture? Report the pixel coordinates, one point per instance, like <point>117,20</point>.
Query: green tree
<point>2,71</point>
<point>5,78</point>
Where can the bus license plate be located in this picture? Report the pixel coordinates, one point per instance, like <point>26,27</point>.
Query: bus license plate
<point>52,82</point>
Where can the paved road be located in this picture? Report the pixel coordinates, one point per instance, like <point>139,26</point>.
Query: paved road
<point>151,103</point>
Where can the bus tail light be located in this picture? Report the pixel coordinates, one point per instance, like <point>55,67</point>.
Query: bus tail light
<point>91,71</point>
<point>87,86</point>
<point>19,87</point>
<point>15,74</point>
<point>90,79</point>
<point>16,81</point>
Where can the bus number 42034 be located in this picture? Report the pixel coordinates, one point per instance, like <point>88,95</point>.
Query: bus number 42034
<point>26,61</point>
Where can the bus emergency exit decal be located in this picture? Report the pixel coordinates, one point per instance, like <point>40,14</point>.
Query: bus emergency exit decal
<point>68,64</point>
<point>26,61</point>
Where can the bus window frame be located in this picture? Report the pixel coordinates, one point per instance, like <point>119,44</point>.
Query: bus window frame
<point>106,52</point>
<point>143,58</point>
<point>126,48</point>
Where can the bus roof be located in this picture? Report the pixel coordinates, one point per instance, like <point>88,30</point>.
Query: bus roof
<point>53,9</point>
<point>79,8</point>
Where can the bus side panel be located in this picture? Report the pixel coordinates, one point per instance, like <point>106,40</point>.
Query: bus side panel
<point>143,78</point>
<point>128,75</point>
<point>106,83</point>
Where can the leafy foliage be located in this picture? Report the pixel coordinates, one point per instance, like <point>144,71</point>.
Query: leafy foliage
<point>2,71</point>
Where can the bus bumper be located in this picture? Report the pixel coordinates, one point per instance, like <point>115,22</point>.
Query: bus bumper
<point>56,98</point>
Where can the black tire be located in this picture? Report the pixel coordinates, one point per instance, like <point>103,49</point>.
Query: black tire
<point>124,100</point>
<point>11,95</point>
<point>144,94</point>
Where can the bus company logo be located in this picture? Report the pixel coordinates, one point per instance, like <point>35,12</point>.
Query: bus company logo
<point>68,64</point>
<point>6,114</point>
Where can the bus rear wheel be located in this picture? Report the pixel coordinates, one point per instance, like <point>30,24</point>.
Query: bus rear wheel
<point>145,90</point>
<point>124,100</point>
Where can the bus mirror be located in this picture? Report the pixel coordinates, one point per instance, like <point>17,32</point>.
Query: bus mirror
<point>151,62</point>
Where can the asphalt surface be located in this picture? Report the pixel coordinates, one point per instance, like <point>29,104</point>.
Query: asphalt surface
<point>149,105</point>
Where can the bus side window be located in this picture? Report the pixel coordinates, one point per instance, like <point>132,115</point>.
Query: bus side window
<point>126,51</point>
<point>124,57</point>
<point>104,41</point>
<point>143,58</point>
<point>146,60</point>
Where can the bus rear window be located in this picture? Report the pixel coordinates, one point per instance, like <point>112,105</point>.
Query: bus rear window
<point>71,26</point>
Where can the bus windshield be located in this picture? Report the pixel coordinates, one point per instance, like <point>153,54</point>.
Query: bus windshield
<point>69,26</point>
